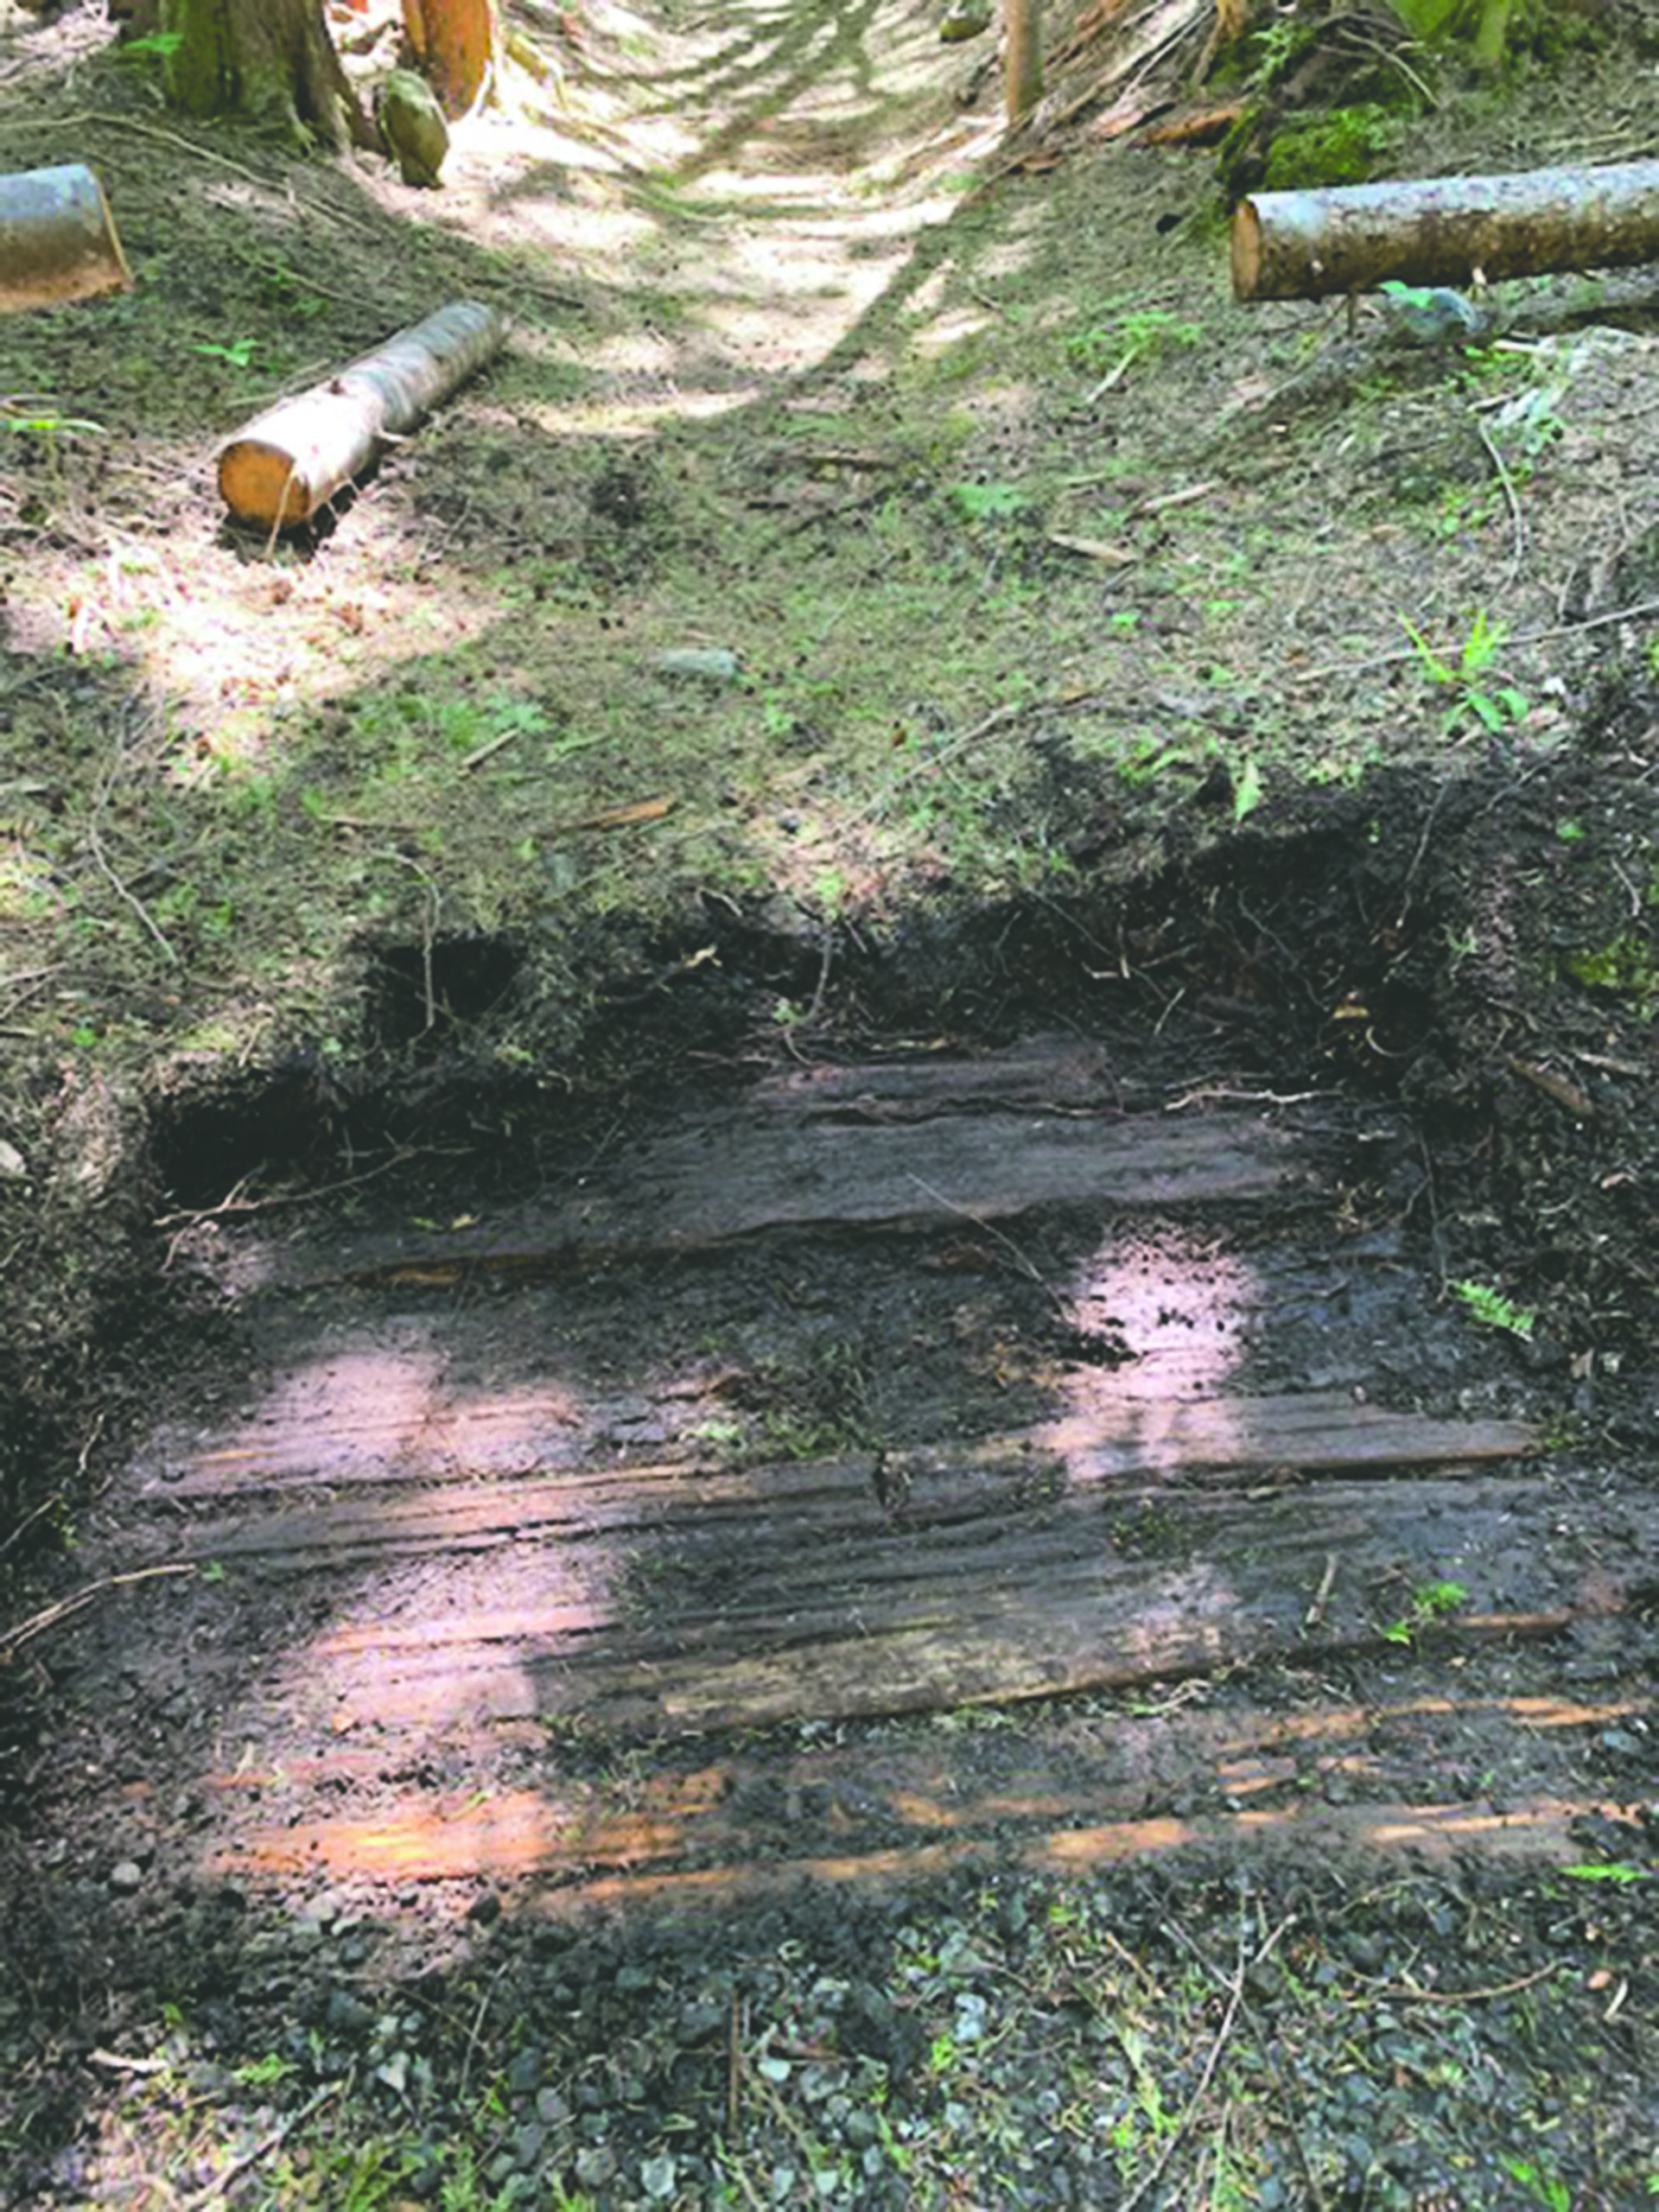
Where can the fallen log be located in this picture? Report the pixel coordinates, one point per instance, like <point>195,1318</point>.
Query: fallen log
<point>1295,245</point>
<point>57,240</point>
<point>280,469</point>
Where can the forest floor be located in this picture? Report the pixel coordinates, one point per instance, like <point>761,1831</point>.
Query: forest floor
<point>827,1348</point>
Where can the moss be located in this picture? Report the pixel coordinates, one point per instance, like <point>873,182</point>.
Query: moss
<point>1344,147</point>
<point>1628,966</point>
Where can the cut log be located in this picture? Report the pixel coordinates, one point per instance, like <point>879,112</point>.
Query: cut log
<point>1297,245</point>
<point>57,239</point>
<point>278,471</point>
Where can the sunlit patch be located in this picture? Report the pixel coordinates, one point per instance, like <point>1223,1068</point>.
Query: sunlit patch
<point>953,328</point>
<point>1175,1302</point>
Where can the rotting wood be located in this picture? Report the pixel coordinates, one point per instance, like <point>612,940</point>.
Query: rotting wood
<point>276,472</point>
<point>857,1797</point>
<point>1117,1439</point>
<point>516,1840</point>
<point>1288,245</point>
<point>788,1621</point>
<point>747,1172</point>
<point>57,239</point>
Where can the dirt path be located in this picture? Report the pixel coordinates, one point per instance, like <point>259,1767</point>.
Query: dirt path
<point>830,1252</point>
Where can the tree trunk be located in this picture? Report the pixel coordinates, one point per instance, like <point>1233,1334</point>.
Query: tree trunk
<point>1025,58</point>
<point>271,59</point>
<point>454,45</point>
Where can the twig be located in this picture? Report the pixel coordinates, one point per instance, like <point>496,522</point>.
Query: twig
<point>1637,899</point>
<point>484,2003</point>
<point>1315,1613</point>
<point>1183,2127</point>
<point>95,845</point>
<point>1184,497</point>
<point>1517,518</point>
<point>118,2062</point>
<point>734,2074</point>
<point>191,1216</point>
<point>480,754</point>
<point>37,1623</point>
<point>1404,1994</point>
<point>1417,857</point>
<point>1316,2195</point>
<point>45,1506</point>
<point>1582,1107</point>
<point>216,2190</point>
<point>1028,1267</point>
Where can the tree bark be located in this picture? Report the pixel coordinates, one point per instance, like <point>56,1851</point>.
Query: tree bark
<point>57,241</point>
<point>272,58</point>
<point>454,45</point>
<point>1306,246</point>
<point>1024,57</point>
<point>278,471</point>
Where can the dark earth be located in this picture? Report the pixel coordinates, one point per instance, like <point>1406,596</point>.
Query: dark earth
<point>978,1535</point>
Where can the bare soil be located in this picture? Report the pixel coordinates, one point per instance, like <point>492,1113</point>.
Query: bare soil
<point>866,1420</point>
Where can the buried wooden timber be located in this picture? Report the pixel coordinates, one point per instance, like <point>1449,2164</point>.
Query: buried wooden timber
<point>1121,1439</point>
<point>487,1515</point>
<point>490,1850</point>
<point>874,1811</point>
<point>664,1602</point>
<point>911,1148</point>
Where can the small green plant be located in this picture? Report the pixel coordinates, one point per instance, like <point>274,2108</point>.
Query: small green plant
<point>159,46</point>
<point>1617,1871</point>
<point>1247,792</point>
<point>266,2073</point>
<point>986,502</point>
<point>1496,708</point>
<point>239,354</point>
<point>24,418</point>
<point>1544,2188</point>
<point>1493,1310</point>
<point>1430,1602</point>
<point>1139,336</point>
<point>1628,967</point>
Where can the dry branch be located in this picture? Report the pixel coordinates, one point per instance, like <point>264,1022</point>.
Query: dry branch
<point>1290,245</point>
<point>280,469</point>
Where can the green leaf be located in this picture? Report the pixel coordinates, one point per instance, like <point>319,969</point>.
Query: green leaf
<point>1247,793</point>
<point>1493,1310</point>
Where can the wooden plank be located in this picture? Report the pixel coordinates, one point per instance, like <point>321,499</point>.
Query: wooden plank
<point>519,1834</point>
<point>324,1438</point>
<point>750,1171</point>
<point>1015,1617</point>
<point>859,1796</point>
